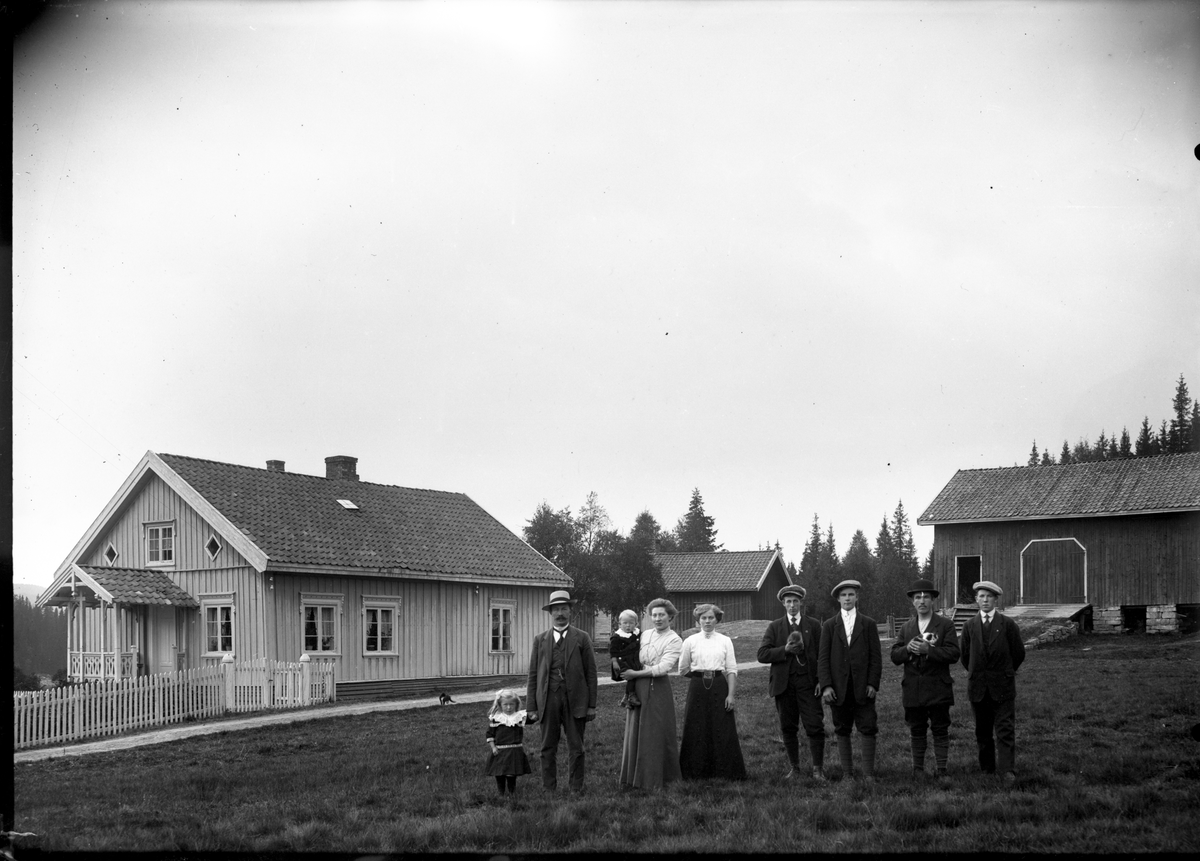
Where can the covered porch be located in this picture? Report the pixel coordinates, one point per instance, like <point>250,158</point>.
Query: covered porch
<point>122,622</point>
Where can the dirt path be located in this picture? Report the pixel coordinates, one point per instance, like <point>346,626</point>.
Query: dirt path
<point>160,736</point>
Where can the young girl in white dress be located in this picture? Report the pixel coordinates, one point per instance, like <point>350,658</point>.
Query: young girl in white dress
<point>506,741</point>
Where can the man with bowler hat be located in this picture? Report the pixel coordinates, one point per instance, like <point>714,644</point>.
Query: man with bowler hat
<point>791,646</point>
<point>849,669</point>
<point>561,690</point>
<point>992,652</point>
<point>926,647</point>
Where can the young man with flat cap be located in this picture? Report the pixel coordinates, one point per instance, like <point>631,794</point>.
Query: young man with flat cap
<point>561,690</point>
<point>926,647</point>
<point>992,652</point>
<point>791,646</point>
<point>849,669</point>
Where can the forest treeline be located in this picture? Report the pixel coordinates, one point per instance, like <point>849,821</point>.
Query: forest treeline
<point>613,571</point>
<point>39,637</point>
<point>1179,434</point>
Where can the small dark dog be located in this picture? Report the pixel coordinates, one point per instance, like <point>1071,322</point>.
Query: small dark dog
<point>444,698</point>
<point>794,639</point>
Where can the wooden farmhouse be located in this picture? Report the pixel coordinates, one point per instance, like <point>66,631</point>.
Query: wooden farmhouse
<point>402,589</point>
<point>743,584</point>
<point>1122,536</point>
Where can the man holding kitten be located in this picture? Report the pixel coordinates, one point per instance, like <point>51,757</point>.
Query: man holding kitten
<point>926,647</point>
<point>791,646</point>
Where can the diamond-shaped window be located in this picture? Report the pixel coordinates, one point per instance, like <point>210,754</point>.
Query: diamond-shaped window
<point>213,547</point>
<point>110,554</point>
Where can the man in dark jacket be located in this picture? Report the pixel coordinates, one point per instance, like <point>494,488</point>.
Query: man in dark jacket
<point>849,669</point>
<point>561,690</point>
<point>926,648</point>
<point>791,645</point>
<point>992,652</point>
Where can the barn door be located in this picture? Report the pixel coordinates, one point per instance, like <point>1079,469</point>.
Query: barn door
<point>968,570</point>
<point>1054,571</point>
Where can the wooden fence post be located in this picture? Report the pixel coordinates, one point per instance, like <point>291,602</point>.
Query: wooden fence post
<point>227,669</point>
<point>305,680</point>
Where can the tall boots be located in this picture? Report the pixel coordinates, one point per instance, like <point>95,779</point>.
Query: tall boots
<point>846,755</point>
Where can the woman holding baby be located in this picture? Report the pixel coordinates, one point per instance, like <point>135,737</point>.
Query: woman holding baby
<point>709,747</point>
<point>650,754</point>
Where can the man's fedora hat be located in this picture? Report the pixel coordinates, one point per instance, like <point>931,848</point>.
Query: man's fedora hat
<point>798,591</point>
<point>840,586</point>
<point>923,585</point>
<point>990,586</point>
<point>561,596</point>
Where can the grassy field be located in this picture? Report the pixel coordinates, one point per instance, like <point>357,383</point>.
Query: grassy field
<point>1105,758</point>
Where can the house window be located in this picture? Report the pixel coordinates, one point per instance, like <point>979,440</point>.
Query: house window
<point>110,554</point>
<point>160,544</point>
<point>502,626</point>
<point>381,615</point>
<point>320,621</point>
<point>217,613</point>
<point>213,547</point>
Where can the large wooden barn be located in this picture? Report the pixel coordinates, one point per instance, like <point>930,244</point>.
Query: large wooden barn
<point>401,588</point>
<point>1121,535</point>
<point>743,584</point>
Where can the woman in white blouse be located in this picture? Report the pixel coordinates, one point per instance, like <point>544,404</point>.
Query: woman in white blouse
<point>709,747</point>
<point>650,755</point>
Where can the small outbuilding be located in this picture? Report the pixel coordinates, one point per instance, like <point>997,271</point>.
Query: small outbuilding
<point>743,583</point>
<point>1122,536</point>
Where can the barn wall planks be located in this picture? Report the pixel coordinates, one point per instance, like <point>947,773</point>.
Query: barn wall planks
<point>1135,560</point>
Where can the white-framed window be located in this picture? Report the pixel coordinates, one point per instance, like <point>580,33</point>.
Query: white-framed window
<point>321,623</point>
<point>213,546</point>
<point>217,614</point>
<point>111,554</point>
<point>160,543</point>
<point>380,626</point>
<point>501,617</point>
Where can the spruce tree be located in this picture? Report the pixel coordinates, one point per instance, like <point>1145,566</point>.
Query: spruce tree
<point>1180,434</point>
<point>1033,455</point>
<point>1145,441</point>
<point>1065,455</point>
<point>694,530</point>
<point>1195,425</point>
<point>1125,450</point>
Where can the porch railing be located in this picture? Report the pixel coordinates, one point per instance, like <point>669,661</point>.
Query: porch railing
<point>93,666</point>
<point>109,707</point>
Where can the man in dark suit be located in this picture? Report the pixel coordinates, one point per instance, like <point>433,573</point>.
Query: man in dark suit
<point>849,669</point>
<point>926,648</point>
<point>793,681</point>
<point>561,690</point>
<point>992,652</point>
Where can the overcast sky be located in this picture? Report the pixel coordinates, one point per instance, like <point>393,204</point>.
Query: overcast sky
<point>810,258</point>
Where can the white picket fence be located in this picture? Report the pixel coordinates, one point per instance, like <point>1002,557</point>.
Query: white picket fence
<point>105,708</point>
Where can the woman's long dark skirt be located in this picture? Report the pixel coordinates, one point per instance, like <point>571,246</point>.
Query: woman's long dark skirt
<point>709,747</point>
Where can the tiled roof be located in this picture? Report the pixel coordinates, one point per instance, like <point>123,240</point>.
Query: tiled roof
<point>1131,486</point>
<point>297,519</point>
<point>140,586</point>
<point>713,572</point>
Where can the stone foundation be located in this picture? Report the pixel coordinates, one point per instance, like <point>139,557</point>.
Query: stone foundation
<point>1106,620</point>
<point>1161,619</point>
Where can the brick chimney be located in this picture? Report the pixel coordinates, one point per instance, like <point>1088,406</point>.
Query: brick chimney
<point>275,465</point>
<point>341,466</point>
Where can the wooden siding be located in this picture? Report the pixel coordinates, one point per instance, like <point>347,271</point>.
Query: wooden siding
<point>766,604</point>
<point>736,605</point>
<point>443,629</point>
<point>155,502</point>
<point>1137,560</point>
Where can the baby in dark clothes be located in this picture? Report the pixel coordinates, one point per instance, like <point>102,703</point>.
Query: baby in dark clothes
<point>623,648</point>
